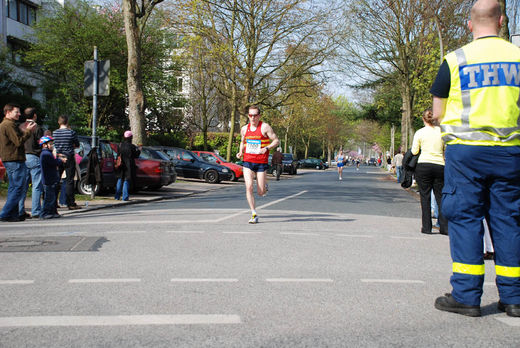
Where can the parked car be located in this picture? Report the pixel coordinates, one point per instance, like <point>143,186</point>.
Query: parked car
<point>289,164</point>
<point>106,157</point>
<point>315,163</point>
<point>168,173</point>
<point>211,157</point>
<point>150,173</point>
<point>372,162</point>
<point>2,171</point>
<point>189,165</point>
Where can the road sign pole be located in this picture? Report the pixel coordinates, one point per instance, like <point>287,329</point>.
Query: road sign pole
<point>94,99</point>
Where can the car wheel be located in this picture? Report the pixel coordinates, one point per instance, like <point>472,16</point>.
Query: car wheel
<point>86,189</point>
<point>295,171</point>
<point>233,176</point>
<point>274,172</point>
<point>212,177</point>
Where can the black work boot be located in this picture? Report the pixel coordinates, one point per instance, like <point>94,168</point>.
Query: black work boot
<point>449,304</point>
<point>512,310</point>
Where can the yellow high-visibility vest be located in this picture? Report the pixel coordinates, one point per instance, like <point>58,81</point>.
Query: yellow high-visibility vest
<point>483,107</point>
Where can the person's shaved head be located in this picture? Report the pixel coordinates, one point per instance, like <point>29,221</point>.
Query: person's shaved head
<point>486,13</point>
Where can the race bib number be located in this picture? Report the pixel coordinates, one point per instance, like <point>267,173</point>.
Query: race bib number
<point>253,146</point>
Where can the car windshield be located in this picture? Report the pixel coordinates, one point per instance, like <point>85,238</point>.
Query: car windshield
<point>161,155</point>
<point>220,157</point>
<point>208,157</point>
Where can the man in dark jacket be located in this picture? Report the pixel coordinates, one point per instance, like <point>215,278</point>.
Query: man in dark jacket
<point>32,163</point>
<point>12,152</point>
<point>276,162</point>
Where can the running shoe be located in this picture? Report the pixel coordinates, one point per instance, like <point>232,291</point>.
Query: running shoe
<point>254,219</point>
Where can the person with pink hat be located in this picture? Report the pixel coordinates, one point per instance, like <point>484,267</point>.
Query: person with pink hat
<point>126,172</point>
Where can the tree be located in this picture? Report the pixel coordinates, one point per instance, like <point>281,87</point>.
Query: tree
<point>250,40</point>
<point>389,42</point>
<point>135,15</point>
<point>64,41</point>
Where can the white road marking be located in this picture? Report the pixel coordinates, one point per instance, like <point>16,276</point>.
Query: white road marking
<point>16,282</point>
<point>381,173</point>
<point>393,281</point>
<point>510,321</point>
<point>106,280</point>
<point>204,280</point>
<point>299,280</point>
<point>409,238</point>
<point>241,232</point>
<point>299,234</point>
<point>260,207</point>
<point>119,320</point>
<point>115,222</point>
<point>186,232</point>
<point>353,235</point>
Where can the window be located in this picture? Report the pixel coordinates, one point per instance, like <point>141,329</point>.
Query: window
<point>21,11</point>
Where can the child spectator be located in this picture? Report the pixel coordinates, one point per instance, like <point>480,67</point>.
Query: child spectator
<point>50,177</point>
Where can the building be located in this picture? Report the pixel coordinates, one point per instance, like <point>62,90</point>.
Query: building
<point>16,20</point>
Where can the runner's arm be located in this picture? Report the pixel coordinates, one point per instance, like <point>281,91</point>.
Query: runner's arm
<point>272,136</point>
<point>241,147</point>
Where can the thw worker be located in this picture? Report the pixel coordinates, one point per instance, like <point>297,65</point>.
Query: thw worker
<point>477,97</point>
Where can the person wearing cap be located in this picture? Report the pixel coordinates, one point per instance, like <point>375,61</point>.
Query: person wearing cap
<point>50,176</point>
<point>126,172</point>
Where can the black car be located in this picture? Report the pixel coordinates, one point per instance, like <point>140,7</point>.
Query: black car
<point>106,156</point>
<point>315,163</point>
<point>189,165</point>
<point>289,164</point>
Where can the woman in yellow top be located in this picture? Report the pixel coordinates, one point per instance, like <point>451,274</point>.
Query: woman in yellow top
<point>429,171</point>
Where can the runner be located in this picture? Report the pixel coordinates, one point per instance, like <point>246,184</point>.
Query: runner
<point>339,163</point>
<point>257,139</point>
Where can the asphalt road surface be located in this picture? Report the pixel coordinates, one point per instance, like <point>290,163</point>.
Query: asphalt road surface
<point>330,264</point>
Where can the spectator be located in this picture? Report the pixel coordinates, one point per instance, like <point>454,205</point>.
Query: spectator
<point>12,152</point>
<point>398,163</point>
<point>429,171</point>
<point>32,163</point>
<point>50,177</point>
<point>126,172</point>
<point>277,161</point>
<point>65,140</point>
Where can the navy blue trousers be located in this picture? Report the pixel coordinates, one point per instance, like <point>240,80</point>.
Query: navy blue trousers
<point>483,182</point>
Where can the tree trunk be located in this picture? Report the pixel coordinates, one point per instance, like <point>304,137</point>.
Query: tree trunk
<point>134,80</point>
<point>231,136</point>
<point>504,31</point>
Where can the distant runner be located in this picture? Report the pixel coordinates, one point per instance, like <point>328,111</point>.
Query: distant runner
<point>257,139</point>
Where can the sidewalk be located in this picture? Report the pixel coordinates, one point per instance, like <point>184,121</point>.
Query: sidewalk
<point>173,191</point>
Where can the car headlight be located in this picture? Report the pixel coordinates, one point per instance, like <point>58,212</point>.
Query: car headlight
<point>225,170</point>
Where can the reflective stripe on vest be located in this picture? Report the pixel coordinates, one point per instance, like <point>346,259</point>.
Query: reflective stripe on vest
<point>511,272</point>
<point>469,79</point>
<point>464,268</point>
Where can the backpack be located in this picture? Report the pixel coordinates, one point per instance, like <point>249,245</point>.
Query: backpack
<point>119,160</point>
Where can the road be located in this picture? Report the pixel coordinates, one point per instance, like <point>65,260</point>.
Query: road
<point>331,264</point>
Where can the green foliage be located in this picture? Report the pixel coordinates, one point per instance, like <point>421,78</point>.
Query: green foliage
<point>177,139</point>
<point>65,38</point>
<point>217,141</point>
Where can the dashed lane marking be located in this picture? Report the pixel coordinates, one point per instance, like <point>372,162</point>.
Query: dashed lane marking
<point>299,280</point>
<point>106,280</point>
<point>353,235</point>
<point>510,321</point>
<point>242,232</point>
<point>409,238</point>
<point>16,282</point>
<point>204,280</point>
<point>393,281</point>
<point>299,234</point>
<point>120,320</point>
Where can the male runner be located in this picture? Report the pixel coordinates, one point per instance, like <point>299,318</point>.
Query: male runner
<point>257,139</point>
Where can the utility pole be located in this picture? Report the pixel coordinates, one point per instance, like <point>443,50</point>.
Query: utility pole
<point>392,140</point>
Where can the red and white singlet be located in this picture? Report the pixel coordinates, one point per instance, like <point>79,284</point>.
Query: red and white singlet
<point>255,140</point>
